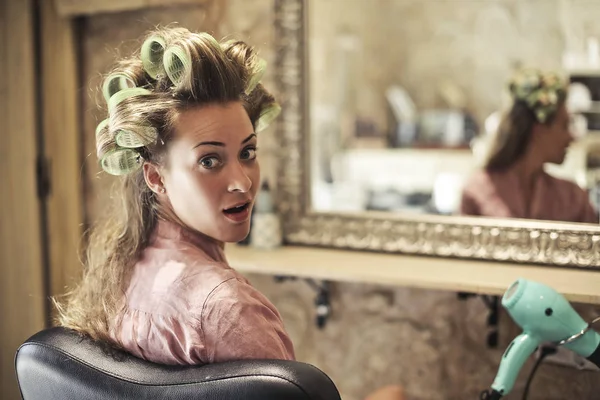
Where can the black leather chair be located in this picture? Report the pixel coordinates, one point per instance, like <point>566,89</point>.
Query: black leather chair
<point>57,364</point>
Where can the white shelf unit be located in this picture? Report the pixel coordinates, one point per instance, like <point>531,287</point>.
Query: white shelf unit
<point>591,142</point>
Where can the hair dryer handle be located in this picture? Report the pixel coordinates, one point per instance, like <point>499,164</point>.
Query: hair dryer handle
<point>517,352</point>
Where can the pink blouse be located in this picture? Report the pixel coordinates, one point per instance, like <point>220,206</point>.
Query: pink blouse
<point>185,305</point>
<point>497,194</point>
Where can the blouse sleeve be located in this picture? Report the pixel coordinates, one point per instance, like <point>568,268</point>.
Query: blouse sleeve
<point>238,322</point>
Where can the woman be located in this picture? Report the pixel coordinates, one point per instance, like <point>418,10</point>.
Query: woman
<point>181,134</point>
<point>535,131</point>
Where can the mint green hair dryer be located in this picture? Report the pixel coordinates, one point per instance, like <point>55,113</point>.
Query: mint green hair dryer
<point>545,316</point>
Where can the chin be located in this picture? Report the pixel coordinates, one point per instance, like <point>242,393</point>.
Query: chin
<point>558,160</point>
<point>236,234</point>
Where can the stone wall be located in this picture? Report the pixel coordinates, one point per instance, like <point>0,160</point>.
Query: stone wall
<point>429,341</point>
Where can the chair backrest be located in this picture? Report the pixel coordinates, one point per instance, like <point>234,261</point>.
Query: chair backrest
<point>58,364</point>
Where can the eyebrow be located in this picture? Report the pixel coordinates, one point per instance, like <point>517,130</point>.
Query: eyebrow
<point>221,144</point>
<point>248,138</point>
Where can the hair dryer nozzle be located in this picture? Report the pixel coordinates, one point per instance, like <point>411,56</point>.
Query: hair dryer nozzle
<point>513,293</point>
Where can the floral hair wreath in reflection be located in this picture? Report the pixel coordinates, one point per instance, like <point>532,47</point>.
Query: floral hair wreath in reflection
<point>541,91</point>
<point>119,151</point>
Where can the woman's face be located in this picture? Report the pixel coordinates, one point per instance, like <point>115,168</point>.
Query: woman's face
<point>212,174</point>
<point>553,140</point>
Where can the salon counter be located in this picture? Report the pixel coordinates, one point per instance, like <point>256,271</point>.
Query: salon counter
<point>482,277</point>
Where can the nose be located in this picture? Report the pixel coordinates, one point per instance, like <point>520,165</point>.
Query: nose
<point>239,181</point>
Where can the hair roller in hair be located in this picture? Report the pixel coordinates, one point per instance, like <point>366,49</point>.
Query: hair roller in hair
<point>210,38</point>
<point>120,161</point>
<point>101,126</point>
<point>104,143</point>
<point>152,53</point>
<point>104,140</point>
<point>257,73</point>
<point>267,115</point>
<point>177,64</point>
<point>115,83</point>
<point>118,97</point>
<point>141,136</point>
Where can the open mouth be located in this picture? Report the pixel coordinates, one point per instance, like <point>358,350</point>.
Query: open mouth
<point>237,209</point>
<point>239,213</point>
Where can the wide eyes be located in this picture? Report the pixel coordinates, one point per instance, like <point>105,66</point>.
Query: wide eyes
<point>249,153</point>
<point>214,161</point>
<point>210,162</point>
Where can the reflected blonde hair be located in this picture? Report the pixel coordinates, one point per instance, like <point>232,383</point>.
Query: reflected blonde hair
<point>217,73</point>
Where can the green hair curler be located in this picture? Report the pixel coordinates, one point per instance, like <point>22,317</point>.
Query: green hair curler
<point>151,54</point>
<point>267,115</point>
<point>101,126</point>
<point>118,97</point>
<point>176,63</point>
<point>210,38</point>
<point>115,83</point>
<point>120,161</point>
<point>257,74</point>
<point>143,136</point>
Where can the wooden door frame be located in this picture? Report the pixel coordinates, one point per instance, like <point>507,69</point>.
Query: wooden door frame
<point>61,93</point>
<point>22,288</point>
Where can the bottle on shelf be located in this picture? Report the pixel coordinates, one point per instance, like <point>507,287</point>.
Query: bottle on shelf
<point>266,225</point>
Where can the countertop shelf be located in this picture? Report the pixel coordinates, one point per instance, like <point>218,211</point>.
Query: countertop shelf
<point>493,278</point>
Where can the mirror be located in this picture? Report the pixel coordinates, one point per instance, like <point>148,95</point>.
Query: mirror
<point>386,110</point>
<point>405,96</point>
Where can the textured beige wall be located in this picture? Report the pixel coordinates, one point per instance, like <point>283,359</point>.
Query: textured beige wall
<point>423,45</point>
<point>428,341</point>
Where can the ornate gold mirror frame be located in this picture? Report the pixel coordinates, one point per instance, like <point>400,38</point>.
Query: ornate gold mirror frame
<point>513,240</point>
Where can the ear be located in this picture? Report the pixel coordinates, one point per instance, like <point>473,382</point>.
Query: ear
<point>153,177</point>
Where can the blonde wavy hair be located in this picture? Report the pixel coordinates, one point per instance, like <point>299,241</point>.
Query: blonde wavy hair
<point>179,70</point>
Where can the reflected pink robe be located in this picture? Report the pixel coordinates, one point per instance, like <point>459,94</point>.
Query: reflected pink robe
<point>185,305</point>
<point>496,194</point>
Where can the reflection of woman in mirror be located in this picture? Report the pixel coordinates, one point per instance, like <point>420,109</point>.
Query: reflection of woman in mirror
<point>533,132</point>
